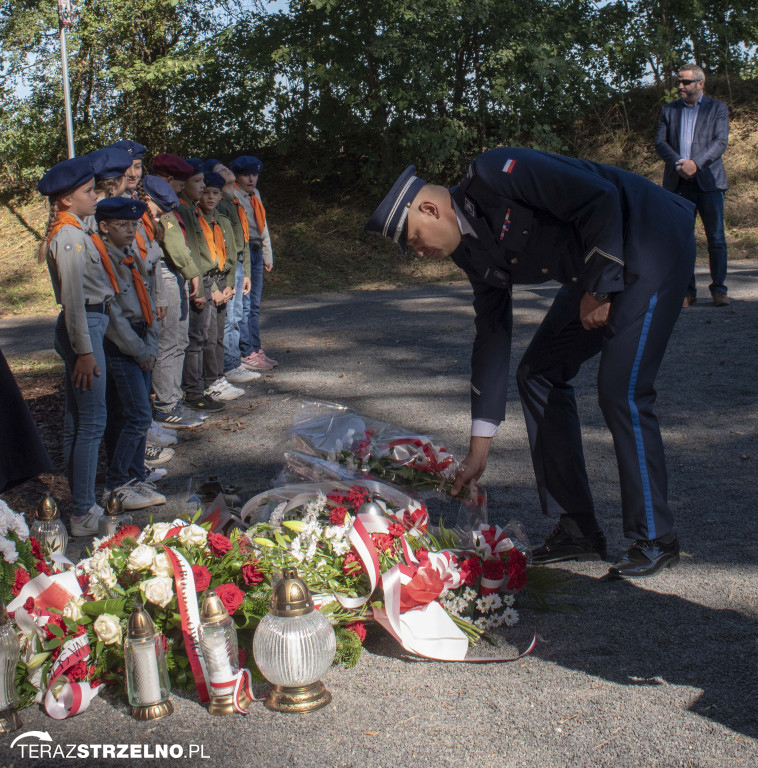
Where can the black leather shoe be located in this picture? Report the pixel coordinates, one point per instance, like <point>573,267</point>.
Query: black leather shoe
<point>646,558</point>
<point>568,542</point>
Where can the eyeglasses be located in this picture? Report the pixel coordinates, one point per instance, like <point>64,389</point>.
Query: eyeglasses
<point>682,81</point>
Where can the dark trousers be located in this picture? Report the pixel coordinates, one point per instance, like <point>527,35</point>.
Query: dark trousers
<point>193,376</point>
<point>641,320</point>
<point>213,355</point>
<point>710,206</point>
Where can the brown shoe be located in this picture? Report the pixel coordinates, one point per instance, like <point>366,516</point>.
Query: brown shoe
<point>689,301</point>
<point>720,299</point>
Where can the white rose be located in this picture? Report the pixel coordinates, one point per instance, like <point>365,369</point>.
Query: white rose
<point>158,591</point>
<point>73,609</point>
<point>141,558</point>
<point>161,565</point>
<point>159,532</point>
<point>107,628</point>
<point>193,534</point>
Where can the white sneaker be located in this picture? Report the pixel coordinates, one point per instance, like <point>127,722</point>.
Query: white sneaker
<point>155,456</point>
<point>157,435</point>
<point>86,525</point>
<point>156,474</point>
<point>136,495</point>
<point>222,390</point>
<point>241,375</point>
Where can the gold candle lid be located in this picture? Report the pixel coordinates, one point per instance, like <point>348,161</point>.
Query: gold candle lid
<point>114,506</point>
<point>291,596</point>
<point>140,624</point>
<point>212,610</point>
<point>47,508</point>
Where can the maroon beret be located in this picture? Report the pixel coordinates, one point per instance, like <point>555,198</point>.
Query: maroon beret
<point>172,165</point>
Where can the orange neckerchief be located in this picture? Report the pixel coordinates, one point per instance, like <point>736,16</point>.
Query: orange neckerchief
<point>141,244</point>
<point>243,219</point>
<point>214,238</point>
<point>147,223</point>
<point>142,295</point>
<point>258,210</point>
<point>64,219</point>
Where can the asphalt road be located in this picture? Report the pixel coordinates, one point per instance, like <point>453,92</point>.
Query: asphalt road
<point>659,674</point>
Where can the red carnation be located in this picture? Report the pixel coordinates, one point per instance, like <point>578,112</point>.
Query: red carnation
<point>396,529</point>
<point>202,577</point>
<point>422,555</point>
<point>517,581</point>
<point>231,596</point>
<point>42,567</point>
<point>516,561</point>
<point>219,544</point>
<point>472,570</point>
<point>337,516</point>
<point>493,569</point>
<point>251,573</point>
<point>29,604</point>
<point>20,577</point>
<point>347,564</point>
<point>83,579</point>
<point>78,672</point>
<point>127,532</point>
<point>335,497</point>
<point>359,628</point>
<point>37,550</point>
<point>383,541</point>
<point>56,620</point>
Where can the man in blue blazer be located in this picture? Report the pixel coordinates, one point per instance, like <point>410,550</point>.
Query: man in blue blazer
<point>624,249</point>
<point>691,138</point>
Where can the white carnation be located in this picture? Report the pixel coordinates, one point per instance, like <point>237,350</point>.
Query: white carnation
<point>8,550</point>
<point>73,609</point>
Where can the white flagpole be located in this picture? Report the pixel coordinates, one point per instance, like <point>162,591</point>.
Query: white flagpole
<point>65,14</point>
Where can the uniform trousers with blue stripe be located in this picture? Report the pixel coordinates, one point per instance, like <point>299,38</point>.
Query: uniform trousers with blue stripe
<point>631,346</point>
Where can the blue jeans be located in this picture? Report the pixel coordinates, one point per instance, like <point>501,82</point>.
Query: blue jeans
<point>250,335</point>
<point>234,310</point>
<point>710,206</point>
<point>132,387</point>
<point>84,422</point>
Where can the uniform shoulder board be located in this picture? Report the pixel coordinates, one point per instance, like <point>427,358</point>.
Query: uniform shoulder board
<point>470,171</point>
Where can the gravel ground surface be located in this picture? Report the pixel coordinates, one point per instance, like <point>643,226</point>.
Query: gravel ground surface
<point>659,674</point>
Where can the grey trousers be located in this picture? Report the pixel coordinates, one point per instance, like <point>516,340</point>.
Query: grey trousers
<point>213,358</point>
<point>172,340</point>
<point>193,381</point>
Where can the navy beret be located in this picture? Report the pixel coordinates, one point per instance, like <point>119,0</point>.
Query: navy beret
<point>119,208</point>
<point>66,175</point>
<point>246,164</point>
<point>134,148</point>
<point>214,180</point>
<point>161,192</point>
<point>196,163</point>
<point>210,164</point>
<point>391,216</point>
<point>109,163</point>
<point>172,165</point>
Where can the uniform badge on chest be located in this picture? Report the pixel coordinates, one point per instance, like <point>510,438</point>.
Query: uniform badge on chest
<point>469,206</point>
<point>506,224</point>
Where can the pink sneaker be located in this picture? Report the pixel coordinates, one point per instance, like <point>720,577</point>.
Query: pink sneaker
<point>268,359</point>
<point>256,363</point>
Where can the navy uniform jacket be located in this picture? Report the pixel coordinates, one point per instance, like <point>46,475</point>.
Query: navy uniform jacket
<point>538,217</point>
<point>709,142</point>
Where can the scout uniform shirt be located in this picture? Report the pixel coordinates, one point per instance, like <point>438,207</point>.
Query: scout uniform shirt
<point>258,240</point>
<point>227,207</point>
<point>204,262</point>
<point>230,261</point>
<point>78,277</point>
<point>126,310</point>
<point>176,251</point>
<point>150,252</point>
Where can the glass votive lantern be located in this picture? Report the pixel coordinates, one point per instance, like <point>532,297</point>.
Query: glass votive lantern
<point>48,528</point>
<point>9,654</point>
<point>294,646</point>
<point>113,517</point>
<point>218,640</point>
<point>147,683</point>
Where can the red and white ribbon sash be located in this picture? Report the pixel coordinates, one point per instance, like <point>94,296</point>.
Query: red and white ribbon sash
<point>420,454</point>
<point>242,683</point>
<point>491,540</point>
<point>189,612</point>
<point>72,698</point>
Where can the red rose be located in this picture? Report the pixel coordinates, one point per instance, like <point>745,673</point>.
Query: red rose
<point>349,564</point>
<point>78,672</point>
<point>493,569</point>
<point>471,570</point>
<point>337,516</point>
<point>231,596</point>
<point>29,604</point>
<point>359,628</point>
<point>20,577</point>
<point>42,567</point>
<point>202,577</point>
<point>396,529</point>
<point>219,544</point>
<point>37,550</point>
<point>251,574</point>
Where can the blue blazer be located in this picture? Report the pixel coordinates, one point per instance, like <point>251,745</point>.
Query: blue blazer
<point>708,143</point>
